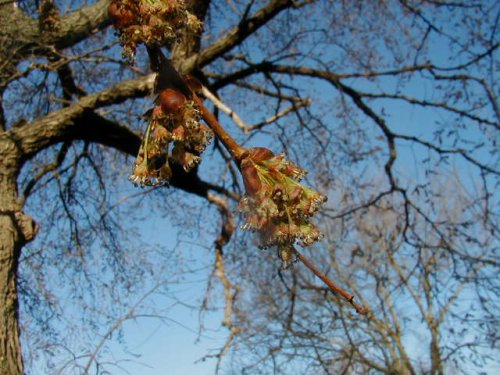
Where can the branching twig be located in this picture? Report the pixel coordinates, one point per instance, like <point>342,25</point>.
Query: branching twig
<point>224,108</point>
<point>294,107</point>
<point>226,232</point>
<point>335,288</point>
<point>231,145</point>
<point>244,126</point>
<point>230,291</point>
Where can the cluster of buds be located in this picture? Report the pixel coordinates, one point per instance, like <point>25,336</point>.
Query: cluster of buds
<point>276,204</point>
<point>152,22</point>
<point>174,134</point>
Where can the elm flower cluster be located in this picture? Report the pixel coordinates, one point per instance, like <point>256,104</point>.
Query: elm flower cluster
<point>276,204</point>
<point>174,134</point>
<point>152,22</point>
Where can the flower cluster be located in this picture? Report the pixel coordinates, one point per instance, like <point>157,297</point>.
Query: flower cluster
<point>174,121</point>
<point>152,22</point>
<point>276,204</point>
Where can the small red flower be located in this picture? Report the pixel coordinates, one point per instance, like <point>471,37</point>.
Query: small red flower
<point>152,22</point>
<point>276,204</point>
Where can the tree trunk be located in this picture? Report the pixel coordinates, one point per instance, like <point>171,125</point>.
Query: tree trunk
<point>436,363</point>
<point>10,348</point>
<point>15,230</point>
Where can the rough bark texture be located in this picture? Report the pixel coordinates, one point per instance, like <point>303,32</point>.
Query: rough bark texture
<point>20,38</point>
<point>10,349</point>
<point>16,228</point>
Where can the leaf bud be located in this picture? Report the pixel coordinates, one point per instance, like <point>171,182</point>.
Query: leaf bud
<point>171,100</point>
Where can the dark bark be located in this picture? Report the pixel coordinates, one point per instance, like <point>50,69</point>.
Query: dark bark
<point>22,36</point>
<point>94,128</point>
<point>193,59</point>
<point>16,229</point>
<point>10,348</point>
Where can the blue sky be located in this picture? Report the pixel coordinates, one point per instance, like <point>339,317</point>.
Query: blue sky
<point>175,346</point>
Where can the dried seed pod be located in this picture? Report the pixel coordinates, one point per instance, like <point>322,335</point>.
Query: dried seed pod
<point>171,100</point>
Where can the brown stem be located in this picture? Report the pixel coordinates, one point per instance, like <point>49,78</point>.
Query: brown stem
<point>335,288</point>
<point>231,145</point>
<point>168,77</point>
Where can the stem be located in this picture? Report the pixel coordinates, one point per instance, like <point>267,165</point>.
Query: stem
<point>168,77</point>
<point>335,288</point>
<point>229,143</point>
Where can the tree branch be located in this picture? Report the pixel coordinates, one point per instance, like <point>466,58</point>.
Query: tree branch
<point>21,35</point>
<point>57,125</point>
<point>237,35</point>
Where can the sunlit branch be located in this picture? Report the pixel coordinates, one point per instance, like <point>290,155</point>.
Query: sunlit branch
<point>231,145</point>
<point>238,34</point>
<point>227,229</point>
<point>334,288</point>
<point>224,108</point>
<point>298,103</point>
<point>293,108</point>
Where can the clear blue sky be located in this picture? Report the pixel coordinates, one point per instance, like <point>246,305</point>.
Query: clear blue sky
<point>174,346</point>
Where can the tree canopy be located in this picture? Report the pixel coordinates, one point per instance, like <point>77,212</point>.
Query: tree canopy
<point>356,139</point>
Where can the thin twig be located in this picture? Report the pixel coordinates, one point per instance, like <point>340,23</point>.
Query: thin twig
<point>231,145</point>
<point>224,108</point>
<point>297,103</point>
<point>230,291</point>
<point>335,288</point>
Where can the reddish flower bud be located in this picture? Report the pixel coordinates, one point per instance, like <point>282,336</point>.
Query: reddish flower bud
<point>296,194</point>
<point>287,255</point>
<point>121,16</point>
<point>251,177</point>
<point>294,171</point>
<point>259,154</point>
<point>276,204</point>
<point>171,100</point>
<point>189,160</point>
